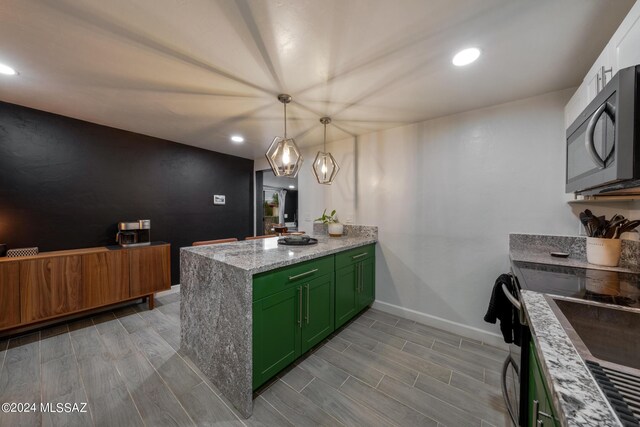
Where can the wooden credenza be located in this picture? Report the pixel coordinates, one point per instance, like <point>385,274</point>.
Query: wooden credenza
<point>55,284</point>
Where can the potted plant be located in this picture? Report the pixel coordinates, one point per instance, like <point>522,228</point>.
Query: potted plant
<point>335,227</point>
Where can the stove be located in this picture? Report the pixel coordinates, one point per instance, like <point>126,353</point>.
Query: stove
<point>609,287</point>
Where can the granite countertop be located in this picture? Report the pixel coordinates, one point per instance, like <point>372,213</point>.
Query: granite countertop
<point>545,258</point>
<point>537,248</point>
<point>257,256</point>
<point>576,396</point>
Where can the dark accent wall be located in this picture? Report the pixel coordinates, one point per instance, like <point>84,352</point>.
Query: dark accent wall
<point>66,183</point>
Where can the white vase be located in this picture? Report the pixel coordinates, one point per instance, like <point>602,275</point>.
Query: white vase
<point>605,252</point>
<point>335,229</point>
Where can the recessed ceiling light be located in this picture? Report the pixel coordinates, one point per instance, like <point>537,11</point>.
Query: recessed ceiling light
<point>292,186</point>
<point>5,69</point>
<point>466,56</point>
<point>237,138</point>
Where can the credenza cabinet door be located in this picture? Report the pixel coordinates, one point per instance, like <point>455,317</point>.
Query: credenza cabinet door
<point>50,287</point>
<point>105,277</point>
<point>9,294</point>
<point>150,270</point>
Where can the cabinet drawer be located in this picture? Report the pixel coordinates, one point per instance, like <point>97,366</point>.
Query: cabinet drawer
<point>352,256</point>
<point>268,283</point>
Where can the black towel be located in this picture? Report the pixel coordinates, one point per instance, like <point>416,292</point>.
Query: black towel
<point>501,308</point>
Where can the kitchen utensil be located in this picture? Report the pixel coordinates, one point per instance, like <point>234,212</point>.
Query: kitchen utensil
<point>594,226</point>
<point>630,226</point>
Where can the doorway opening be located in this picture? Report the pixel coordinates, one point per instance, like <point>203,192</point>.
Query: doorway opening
<point>276,203</point>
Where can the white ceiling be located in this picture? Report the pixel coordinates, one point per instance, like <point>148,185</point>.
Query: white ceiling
<point>198,71</point>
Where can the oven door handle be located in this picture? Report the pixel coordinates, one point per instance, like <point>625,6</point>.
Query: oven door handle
<point>591,128</point>
<point>511,298</point>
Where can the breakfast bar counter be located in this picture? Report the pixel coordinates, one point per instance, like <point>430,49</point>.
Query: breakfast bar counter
<point>216,286</point>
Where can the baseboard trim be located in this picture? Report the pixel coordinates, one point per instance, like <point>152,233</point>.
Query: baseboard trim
<point>172,290</point>
<point>444,324</point>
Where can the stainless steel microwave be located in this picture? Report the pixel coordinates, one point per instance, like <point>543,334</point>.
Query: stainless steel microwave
<point>603,149</point>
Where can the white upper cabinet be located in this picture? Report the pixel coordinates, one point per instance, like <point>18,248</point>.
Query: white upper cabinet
<point>625,43</point>
<point>623,50</point>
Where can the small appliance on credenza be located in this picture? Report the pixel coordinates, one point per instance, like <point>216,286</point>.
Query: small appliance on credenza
<point>134,233</point>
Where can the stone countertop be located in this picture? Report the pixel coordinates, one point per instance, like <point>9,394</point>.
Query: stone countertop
<point>257,256</point>
<point>546,258</point>
<point>216,315</point>
<point>576,396</point>
<point>537,248</point>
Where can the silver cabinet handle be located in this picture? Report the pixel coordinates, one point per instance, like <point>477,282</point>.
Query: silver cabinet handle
<point>361,277</point>
<point>308,298</point>
<point>360,255</point>
<point>356,283</point>
<point>591,128</point>
<point>604,72</point>
<point>300,306</point>
<point>297,276</point>
<point>536,405</point>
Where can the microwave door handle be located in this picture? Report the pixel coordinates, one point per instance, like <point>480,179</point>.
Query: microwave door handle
<point>591,128</point>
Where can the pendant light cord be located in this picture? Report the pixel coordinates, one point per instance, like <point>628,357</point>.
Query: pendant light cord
<point>285,121</point>
<point>325,138</point>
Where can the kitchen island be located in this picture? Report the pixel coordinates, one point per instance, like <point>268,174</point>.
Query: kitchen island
<point>217,291</point>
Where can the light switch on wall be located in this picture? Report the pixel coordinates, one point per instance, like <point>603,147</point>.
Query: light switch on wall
<point>219,199</point>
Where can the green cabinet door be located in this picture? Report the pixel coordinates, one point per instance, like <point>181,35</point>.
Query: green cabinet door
<point>541,411</point>
<point>276,333</point>
<point>347,296</point>
<point>318,317</point>
<point>367,278</point>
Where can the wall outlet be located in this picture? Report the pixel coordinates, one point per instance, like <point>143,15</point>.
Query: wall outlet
<point>350,219</point>
<point>307,217</point>
<point>286,215</point>
<point>219,199</point>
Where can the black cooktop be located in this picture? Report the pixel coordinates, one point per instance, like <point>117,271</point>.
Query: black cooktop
<point>609,287</point>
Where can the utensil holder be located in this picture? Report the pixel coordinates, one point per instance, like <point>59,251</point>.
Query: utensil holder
<point>605,252</point>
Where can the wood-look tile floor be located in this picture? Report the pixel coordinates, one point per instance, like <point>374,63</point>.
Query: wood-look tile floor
<point>379,370</point>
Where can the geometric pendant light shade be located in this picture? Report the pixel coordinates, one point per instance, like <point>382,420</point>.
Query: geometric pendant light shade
<point>283,154</point>
<point>325,167</point>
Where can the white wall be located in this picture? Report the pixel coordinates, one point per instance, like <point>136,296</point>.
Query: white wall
<point>445,194</point>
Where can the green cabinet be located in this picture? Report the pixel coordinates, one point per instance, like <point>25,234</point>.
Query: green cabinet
<point>317,319</point>
<point>296,307</point>
<point>293,310</point>
<point>355,282</point>
<point>541,410</point>
<point>346,294</point>
<point>367,292</point>
<point>276,333</point>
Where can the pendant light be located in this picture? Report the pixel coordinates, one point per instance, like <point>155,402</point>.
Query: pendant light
<point>283,153</point>
<point>325,167</point>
